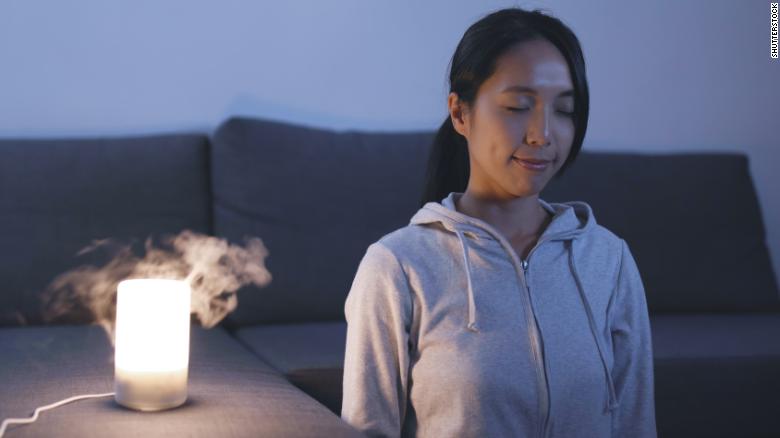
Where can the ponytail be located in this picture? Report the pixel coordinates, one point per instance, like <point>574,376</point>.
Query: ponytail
<point>448,164</point>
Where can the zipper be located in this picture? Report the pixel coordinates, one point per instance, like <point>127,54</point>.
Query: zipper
<point>538,354</point>
<point>533,331</point>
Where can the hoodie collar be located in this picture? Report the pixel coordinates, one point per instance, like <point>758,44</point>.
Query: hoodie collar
<point>570,219</point>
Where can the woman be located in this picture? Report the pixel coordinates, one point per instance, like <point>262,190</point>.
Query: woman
<point>495,313</point>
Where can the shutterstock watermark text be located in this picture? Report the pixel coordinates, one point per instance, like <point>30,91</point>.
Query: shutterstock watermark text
<point>773,30</point>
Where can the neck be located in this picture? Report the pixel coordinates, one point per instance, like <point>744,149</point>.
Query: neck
<point>516,217</point>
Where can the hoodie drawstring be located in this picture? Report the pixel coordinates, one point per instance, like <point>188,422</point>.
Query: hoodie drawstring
<point>472,323</point>
<point>612,400</point>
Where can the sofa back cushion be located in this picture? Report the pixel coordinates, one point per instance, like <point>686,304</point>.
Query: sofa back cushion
<point>317,199</point>
<point>692,221</point>
<point>58,196</point>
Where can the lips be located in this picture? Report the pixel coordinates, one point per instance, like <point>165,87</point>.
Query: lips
<point>532,160</point>
<point>532,163</point>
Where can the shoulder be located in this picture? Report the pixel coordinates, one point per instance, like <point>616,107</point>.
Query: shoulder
<point>603,245</point>
<point>410,239</point>
<point>617,244</point>
<point>602,234</point>
<point>410,249</point>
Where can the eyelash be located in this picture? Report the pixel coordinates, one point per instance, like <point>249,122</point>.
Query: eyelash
<point>517,110</point>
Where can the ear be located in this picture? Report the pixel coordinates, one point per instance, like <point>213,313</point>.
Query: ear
<point>459,114</point>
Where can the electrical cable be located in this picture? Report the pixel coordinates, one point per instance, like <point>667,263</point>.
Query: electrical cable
<point>9,421</point>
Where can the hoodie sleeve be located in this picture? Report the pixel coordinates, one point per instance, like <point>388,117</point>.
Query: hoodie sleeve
<point>633,353</point>
<point>378,311</point>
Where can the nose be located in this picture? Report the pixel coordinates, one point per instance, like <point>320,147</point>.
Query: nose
<point>538,133</point>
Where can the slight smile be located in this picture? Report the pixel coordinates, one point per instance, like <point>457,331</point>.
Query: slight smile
<point>536,165</point>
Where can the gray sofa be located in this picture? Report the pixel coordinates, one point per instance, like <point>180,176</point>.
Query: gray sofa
<point>317,199</point>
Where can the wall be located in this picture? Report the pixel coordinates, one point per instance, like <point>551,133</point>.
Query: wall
<point>664,75</point>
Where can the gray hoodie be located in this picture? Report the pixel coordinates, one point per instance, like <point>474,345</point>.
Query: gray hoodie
<point>451,334</point>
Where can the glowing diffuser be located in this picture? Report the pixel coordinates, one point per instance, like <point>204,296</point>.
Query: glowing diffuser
<point>152,343</point>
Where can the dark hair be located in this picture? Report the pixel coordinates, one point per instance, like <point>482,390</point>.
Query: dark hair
<point>473,62</point>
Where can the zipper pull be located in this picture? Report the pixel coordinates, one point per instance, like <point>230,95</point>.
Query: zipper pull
<point>525,266</point>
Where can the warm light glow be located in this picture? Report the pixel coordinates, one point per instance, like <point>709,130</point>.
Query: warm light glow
<point>152,343</point>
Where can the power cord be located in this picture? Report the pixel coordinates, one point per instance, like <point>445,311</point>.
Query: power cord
<point>40,409</point>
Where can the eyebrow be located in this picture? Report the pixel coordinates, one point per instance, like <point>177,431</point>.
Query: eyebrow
<point>523,89</point>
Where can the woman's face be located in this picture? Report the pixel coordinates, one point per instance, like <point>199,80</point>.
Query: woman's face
<point>522,111</point>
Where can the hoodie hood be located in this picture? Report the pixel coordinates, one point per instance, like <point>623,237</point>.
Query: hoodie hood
<point>571,220</point>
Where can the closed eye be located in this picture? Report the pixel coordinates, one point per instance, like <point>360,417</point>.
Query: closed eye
<point>517,110</point>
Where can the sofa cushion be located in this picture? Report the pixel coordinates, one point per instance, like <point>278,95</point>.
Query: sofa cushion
<point>686,216</point>
<point>693,223</point>
<point>317,199</point>
<point>716,375</point>
<point>231,392</point>
<point>57,196</point>
<point>311,355</point>
<point>710,336</point>
<point>704,364</point>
